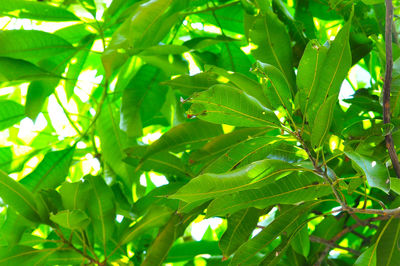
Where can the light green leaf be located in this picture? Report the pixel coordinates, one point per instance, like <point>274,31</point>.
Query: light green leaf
<point>246,84</point>
<point>74,195</point>
<point>102,209</point>
<point>240,226</point>
<point>31,45</point>
<point>375,171</point>
<point>285,222</point>
<point>6,158</point>
<point>292,189</point>
<point>73,220</point>
<point>65,257</point>
<point>51,171</point>
<point>367,258</point>
<point>18,197</point>
<point>144,28</point>
<point>20,70</point>
<point>255,175</point>
<point>323,121</point>
<point>10,114</point>
<point>76,64</point>
<point>35,10</point>
<point>188,250</point>
<point>157,216</point>
<point>184,136</point>
<point>273,45</point>
<point>225,104</point>
<point>38,91</point>
<point>277,90</point>
<point>90,6</point>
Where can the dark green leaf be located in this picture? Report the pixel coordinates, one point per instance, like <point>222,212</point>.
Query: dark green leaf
<point>323,121</point>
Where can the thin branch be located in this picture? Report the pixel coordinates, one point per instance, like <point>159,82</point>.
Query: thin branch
<point>67,113</point>
<point>331,244</point>
<point>387,84</point>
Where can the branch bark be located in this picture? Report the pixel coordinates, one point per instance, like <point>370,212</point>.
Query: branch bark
<point>387,84</point>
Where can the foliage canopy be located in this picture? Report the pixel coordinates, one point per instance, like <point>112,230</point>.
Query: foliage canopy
<point>127,124</point>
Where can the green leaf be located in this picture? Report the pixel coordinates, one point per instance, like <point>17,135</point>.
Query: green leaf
<point>160,247</point>
<point>184,136</point>
<point>113,142</point>
<point>74,195</point>
<point>188,85</point>
<point>368,257</point>
<point>308,73</point>
<point>292,189</point>
<point>375,171</point>
<point>273,45</point>
<point>157,216</point>
<point>246,84</point>
<point>65,257</point>
<point>10,113</point>
<point>240,226</point>
<point>162,162</point>
<point>76,64</point>
<point>90,6</point>
<point>323,121</point>
<point>102,209</point>
<point>73,220</point>
<point>224,104</point>
<point>51,171</point>
<point>18,197</point>
<point>283,223</point>
<point>188,250</point>
<point>144,28</point>
<point>20,70</point>
<point>334,70</point>
<point>31,45</point>
<point>35,10</point>
<point>387,252</point>
<point>255,175</point>
<point>38,92</point>
<point>277,90</point>
<point>6,158</point>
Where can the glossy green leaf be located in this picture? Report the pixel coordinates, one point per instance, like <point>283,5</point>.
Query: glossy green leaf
<point>183,136</point>
<point>102,209</point>
<point>20,70</point>
<point>368,257</point>
<point>291,189</point>
<point>255,175</point>
<point>310,66</point>
<point>51,171</point>
<point>375,171</point>
<point>240,226</point>
<point>283,223</point>
<point>18,197</point>
<point>277,90</point>
<point>224,104</point>
<point>273,45</point>
<point>10,113</point>
<point>31,45</point>
<point>35,10</point>
<point>74,220</point>
<point>323,121</point>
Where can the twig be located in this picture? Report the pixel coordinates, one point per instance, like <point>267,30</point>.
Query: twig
<point>332,244</point>
<point>67,113</point>
<point>387,84</point>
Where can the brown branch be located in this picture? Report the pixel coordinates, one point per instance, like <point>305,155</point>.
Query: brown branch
<point>387,84</point>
